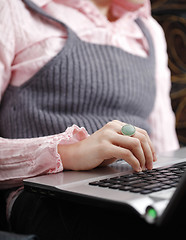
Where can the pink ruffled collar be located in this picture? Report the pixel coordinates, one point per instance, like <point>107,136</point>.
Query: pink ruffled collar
<point>124,11</point>
<point>121,8</point>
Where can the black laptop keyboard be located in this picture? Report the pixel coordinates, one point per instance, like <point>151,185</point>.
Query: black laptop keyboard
<point>145,182</point>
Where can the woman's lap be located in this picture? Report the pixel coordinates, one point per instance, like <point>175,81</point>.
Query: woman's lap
<point>59,219</point>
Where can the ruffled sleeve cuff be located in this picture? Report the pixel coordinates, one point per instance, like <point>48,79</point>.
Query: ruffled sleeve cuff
<point>71,135</point>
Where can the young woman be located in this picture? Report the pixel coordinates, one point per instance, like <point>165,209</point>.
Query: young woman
<point>73,73</point>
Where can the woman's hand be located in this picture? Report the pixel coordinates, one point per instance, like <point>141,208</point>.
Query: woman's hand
<point>107,145</point>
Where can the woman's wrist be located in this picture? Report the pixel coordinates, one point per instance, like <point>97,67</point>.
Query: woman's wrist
<point>69,156</point>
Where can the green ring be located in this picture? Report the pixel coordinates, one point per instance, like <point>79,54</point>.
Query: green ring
<point>128,130</point>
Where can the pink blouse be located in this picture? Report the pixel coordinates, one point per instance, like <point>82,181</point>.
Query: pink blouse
<point>28,42</point>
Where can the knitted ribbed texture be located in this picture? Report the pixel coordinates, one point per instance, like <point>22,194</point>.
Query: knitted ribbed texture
<point>85,84</point>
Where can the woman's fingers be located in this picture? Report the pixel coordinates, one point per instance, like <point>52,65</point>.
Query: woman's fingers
<point>149,141</point>
<point>146,149</point>
<point>133,145</point>
<point>127,155</point>
<point>139,144</point>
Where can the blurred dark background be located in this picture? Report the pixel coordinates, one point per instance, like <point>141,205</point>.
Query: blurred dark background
<point>171,14</point>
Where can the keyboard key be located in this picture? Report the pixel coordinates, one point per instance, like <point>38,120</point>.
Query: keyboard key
<point>140,185</point>
<point>104,185</point>
<point>125,188</point>
<point>116,186</point>
<point>157,189</point>
<point>136,190</point>
<point>153,186</point>
<point>168,182</point>
<point>173,177</point>
<point>166,186</point>
<point>96,183</point>
<point>146,191</point>
<point>162,179</point>
<point>134,182</point>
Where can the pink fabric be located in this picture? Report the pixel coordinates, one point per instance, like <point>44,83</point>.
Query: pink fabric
<point>22,158</point>
<point>28,42</point>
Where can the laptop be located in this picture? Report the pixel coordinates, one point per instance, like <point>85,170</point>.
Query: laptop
<point>152,194</point>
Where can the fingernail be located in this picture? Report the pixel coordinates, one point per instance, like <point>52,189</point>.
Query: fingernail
<point>150,166</point>
<point>154,157</point>
<point>143,168</point>
<point>139,169</point>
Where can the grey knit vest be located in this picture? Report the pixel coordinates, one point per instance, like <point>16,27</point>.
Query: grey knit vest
<point>84,84</point>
